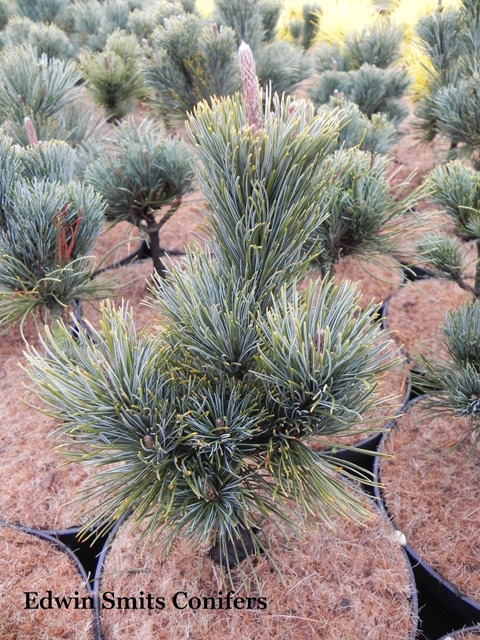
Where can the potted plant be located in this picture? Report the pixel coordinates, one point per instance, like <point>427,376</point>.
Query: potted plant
<point>435,447</point>
<point>450,258</point>
<point>143,178</point>
<point>363,71</point>
<point>203,432</point>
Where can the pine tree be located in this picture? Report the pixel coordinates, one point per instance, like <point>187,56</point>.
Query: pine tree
<point>47,39</point>
<point>38,88</point>
<point>244,17</point>
<point>450,104</point>
<point>114,78</point>
<point>282,66</point>
<point>366,214</point>
<point>377,135</point>
<point>42,10</point>
<point>361,70</point>
<point>142,177</point>
<point>279,63</point>
<point>377,44</point>
<point>86,19</point>
<point>48,227</point>
<point>374,90</point>
<point>304,30</point>
<point>203,427</point>
<point>456,189</point>
<point>452,381</point>
<point>189,63</point>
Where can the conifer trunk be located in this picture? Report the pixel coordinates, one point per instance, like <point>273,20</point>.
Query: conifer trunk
<point>156,251</point>
<point>477,272</point>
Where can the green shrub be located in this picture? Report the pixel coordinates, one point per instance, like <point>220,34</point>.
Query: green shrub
<point>142,178</point>
<point>189,63</point>
<point>36,87</point>
<point>203,427</point>
<point>114,78</point>
<point>48,234</point>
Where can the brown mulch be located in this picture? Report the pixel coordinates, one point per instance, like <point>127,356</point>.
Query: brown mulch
<point>349,584</point>
<point>417,311</point>
<point>433,495</point>
<point>28,564</point>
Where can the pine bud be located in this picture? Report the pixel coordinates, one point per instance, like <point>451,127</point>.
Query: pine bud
<point>166,24</point>
<point>336,94</point>
<point>20,100</point>
<point>215,30</point>
<point>210,494</point>
<point>293,105</point>
<point>148,441</point>
<point>246,63</point>
<point>30,129</point>
<point>105,60</point>
<point>439,4</point>
<point>319,341</point>
<point>334,65</point>
<point>144,43</point>
<point>218,422</point>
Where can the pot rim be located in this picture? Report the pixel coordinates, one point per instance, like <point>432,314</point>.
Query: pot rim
<point>445,591</point>
<point>50,536</point>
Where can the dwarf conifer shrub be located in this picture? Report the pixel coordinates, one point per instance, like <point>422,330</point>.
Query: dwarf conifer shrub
<point>42,10</point>
<point>189,63</point>
<point>48,228</point>
<point>374,90</point>
<point>47,39</point>
<point>143,178</point>
<point>377,135</point>
<point>304,30</point>
<point>282,65</point>
<point>114,78</point>
<point>452,381</point>
<point>455,188</point>
<point>38,88</point>
<point>86,18</point>
<point>116,15</point>
<point>278,62</point>
<point>244,17</point>
<point>203,427</point>
<point>378,44</point>
<point>361,70</point>
<point>449,105</point>
<point>365,210</point>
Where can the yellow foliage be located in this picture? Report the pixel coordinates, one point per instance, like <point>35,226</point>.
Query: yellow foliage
<point>409,12</point>
<point>205,7</point>
<point>418,65</point>
<point>341,16</point>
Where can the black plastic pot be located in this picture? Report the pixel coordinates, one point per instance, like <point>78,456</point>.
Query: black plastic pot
<point>97,579</point>
<point>412,272</point>
<point>414,598</point>
<point>101,564</point>
<point>56,539</point>
<point>430,579</point>
<point>86,555</point>
<point>456,634</point>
